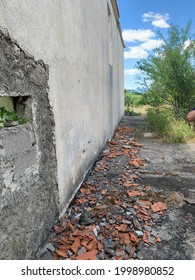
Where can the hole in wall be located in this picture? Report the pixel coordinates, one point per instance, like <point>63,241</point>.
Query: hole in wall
<point>15,110</point>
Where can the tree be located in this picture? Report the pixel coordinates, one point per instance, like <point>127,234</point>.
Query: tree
<point>169,74</point>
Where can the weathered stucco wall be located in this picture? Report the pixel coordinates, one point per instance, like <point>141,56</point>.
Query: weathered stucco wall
<point>81,44</point>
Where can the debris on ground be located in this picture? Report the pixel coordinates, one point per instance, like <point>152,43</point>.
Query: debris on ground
<point>112,213</point>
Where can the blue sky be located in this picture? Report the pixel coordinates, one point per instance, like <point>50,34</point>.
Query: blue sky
<point>140,20</point>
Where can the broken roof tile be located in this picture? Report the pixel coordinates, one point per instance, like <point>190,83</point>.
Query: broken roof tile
<point>90,255</point>
<point>158,206</point>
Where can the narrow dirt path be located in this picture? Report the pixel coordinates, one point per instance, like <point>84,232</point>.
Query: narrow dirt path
<point>171,170</point>
<point>138,202</point>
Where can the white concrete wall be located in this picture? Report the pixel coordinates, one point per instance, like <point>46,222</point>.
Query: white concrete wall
<point>71,36</point>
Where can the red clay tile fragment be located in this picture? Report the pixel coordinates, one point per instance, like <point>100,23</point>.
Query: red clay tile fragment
<point>131,185</point>
<point>144,202</point>
<point>91,255</point>
<point>134,163</point>
<point>82,232</point>
<point>145,213</point>
<point>133,193</point>
<point>104,192</point>
<point>81,200</point>
<point>122,227</point>
<point>57,229</point>
<point>61,254</point>
<point>75,245</point>
<point>88,245</point>
<point>158,206</point>
<point>63,240</point>
<point>134,238</point>
<point>158,239</point>
<point>145,237</point>
<point>125,239</point>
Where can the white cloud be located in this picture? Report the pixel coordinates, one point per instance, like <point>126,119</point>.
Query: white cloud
<point>157,19</point>
<point>139,52</point>
<point>151,44</point>
<point>135,52</point>
<point>160,23</point>
<point>187,43</point>
<point>131,72</point>
<point>132,35</point>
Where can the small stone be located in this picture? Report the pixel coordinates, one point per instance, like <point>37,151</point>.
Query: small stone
<point>151,239</point>
<point>105,151</point>
<point>110,252</point>
<point>69,253</point>
<point>50,247</point>
<point>112,221</point>
<point>128,249</point>
<point>139,233</point>
<point>100,238</point>
<point>131,211</point>
<point>78,216</point>
<point>154,233</point>
<point>111,245</point>
<point>127,147</point>
<point>137,224</point>
<point>95,232</point>
<point>81,251</point>
<point>148,228</point>
<point>101,256</point>
<point>127,222</point>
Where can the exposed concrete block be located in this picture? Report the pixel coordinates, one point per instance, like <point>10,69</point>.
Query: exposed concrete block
<point>24,161</point>
<point>16,141</point>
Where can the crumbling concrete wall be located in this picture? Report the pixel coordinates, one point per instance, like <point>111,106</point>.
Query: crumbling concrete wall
<point>28,176</point>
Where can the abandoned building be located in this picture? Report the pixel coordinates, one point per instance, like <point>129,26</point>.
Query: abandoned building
<point>61,73</point>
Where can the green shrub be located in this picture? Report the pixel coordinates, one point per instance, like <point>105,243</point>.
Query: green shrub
<point>159,120</point>
<point>168,128</point>
<point>132,99</point>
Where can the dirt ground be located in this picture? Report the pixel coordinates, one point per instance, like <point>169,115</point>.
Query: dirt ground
<point>170,169</point>
<point>138,202</point>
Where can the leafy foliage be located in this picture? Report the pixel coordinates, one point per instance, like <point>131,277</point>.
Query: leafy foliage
<point>169,75</point>
<point>8,118</point>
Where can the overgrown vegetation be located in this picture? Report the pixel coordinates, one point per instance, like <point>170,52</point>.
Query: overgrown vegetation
<point>168,128</point>
<point>168,78</point>
<point>8,118</point>
<point>132,100</point>
<point>169,75</point>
